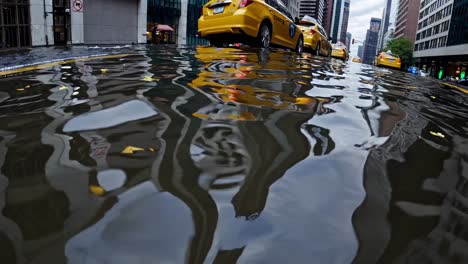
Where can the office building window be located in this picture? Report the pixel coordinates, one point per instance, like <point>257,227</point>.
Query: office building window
<point>15,28</point>
<point>458,33</point>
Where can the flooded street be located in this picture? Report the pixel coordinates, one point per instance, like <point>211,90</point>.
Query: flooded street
<point>222,155</point>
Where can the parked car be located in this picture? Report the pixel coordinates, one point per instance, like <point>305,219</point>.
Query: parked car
<point>315,37</point>
<point>388,59</point>
<point>357,59</point>
<point>413,69</point>
<point>339,51</point>
<point>257,22</point>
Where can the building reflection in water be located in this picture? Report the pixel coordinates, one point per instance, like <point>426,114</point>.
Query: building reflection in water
<point>216,156</point>
<point>217,179</point>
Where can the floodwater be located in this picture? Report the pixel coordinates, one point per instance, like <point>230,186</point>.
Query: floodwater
<point>205,155</point>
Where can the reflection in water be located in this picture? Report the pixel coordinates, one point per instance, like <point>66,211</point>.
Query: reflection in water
<point>245,156</point>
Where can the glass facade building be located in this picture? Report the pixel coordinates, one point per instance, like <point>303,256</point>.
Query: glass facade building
<point>458,33</point>
<point>166,12</point>
<point>194,10</point>
<point>15,25</point>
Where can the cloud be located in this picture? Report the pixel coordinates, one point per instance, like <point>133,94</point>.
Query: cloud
<point>360,14</point>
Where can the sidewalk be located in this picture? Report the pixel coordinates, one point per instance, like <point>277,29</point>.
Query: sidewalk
<point>21,58</point>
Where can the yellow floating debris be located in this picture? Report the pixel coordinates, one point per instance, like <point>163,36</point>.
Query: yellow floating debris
<point>97,190</point>
<point>437,134</point>
<point>433,97</point>
<point>20,89</point>
<point>104,70</point>
<point>131,150</point>
<point>63,87</point>
<point>150,79</point>
<point>151,149</point>
<point>27,86</point>
<point>200,115</point>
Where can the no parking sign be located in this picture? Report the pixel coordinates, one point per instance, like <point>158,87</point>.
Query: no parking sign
<point>77,5</point>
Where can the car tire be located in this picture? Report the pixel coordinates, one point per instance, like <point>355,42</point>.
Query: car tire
<point>264,36</point>
<point>317,50</point>
<point>300,45</point>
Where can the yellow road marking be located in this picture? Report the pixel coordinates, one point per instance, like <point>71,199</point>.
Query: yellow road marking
<point>456,87</point>
<point>51,64</point>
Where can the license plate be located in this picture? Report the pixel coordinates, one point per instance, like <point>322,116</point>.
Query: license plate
<point>390,59</point>
<point>218,10</point>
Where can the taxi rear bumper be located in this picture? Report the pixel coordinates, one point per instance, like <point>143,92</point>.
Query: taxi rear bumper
<point>240,22</point>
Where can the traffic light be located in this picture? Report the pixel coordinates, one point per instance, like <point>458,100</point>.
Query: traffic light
<point>353,41</point>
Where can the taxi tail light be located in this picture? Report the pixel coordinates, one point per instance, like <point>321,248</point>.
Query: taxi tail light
<point>399,60</point>
<point>245,3</point>
<point>380,57</point>
<point>312,31</point>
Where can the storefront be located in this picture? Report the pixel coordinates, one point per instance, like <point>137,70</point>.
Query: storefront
<point>26,23</point>
<point>163,12</point>
<point>15,26</point>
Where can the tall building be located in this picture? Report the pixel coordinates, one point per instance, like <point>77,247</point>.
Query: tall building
<point>442,38</point>
<point>313,8</point>
<point>348,40</point>
<point>64,22</point>
<point>339,20</point>
<point>328,13</point>
<point>344,23</point>
<point>370,45</point>
<point>407,19</point>
<point>293,7</point>
<point>359,51</point>
<point>386,21</point>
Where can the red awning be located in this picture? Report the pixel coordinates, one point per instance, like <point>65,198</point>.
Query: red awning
<point>161,27</point>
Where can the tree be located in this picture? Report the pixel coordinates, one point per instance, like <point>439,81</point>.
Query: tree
<point>402,47</point>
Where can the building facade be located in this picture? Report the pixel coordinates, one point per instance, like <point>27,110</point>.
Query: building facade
<point>370,45</point>
<point>359,51</point>
<point>328,14</point>
<point>181,15</point>
<point>294,7</point>
<point>339,20</point>
<point>313,8</point>
<point>441,44</point>
<point>407,19</point>
<point>348,40</point>
<point>344,23</point>
<point>28,23</point>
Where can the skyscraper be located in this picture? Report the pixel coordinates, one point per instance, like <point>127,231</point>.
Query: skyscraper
<point>339,20</point>
<point>370,45</point>
<point>293,7</point>
<point>407,19</point>
<point>328,13</point>
<point>359,51</point>
<point>344,23</point>
<point>348,40</point>
<point>313,8</point>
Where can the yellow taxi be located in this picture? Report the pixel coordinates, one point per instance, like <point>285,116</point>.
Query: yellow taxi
<point>388,59</point>
<point>315,37</point>
<point>257,22</point>
<point>339,51</point>
<point>357,59</point>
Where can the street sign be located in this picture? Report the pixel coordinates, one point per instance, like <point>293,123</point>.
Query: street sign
<point>77,5</point>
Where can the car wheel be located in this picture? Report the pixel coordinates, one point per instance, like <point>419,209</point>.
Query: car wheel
<point>264,36</point>
<point>300,45</point>
<point>317,50</point>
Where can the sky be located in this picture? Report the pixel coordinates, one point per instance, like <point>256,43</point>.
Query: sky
<point>360,15</point>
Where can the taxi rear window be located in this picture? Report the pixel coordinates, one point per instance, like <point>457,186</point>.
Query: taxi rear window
<point>306,23</point>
